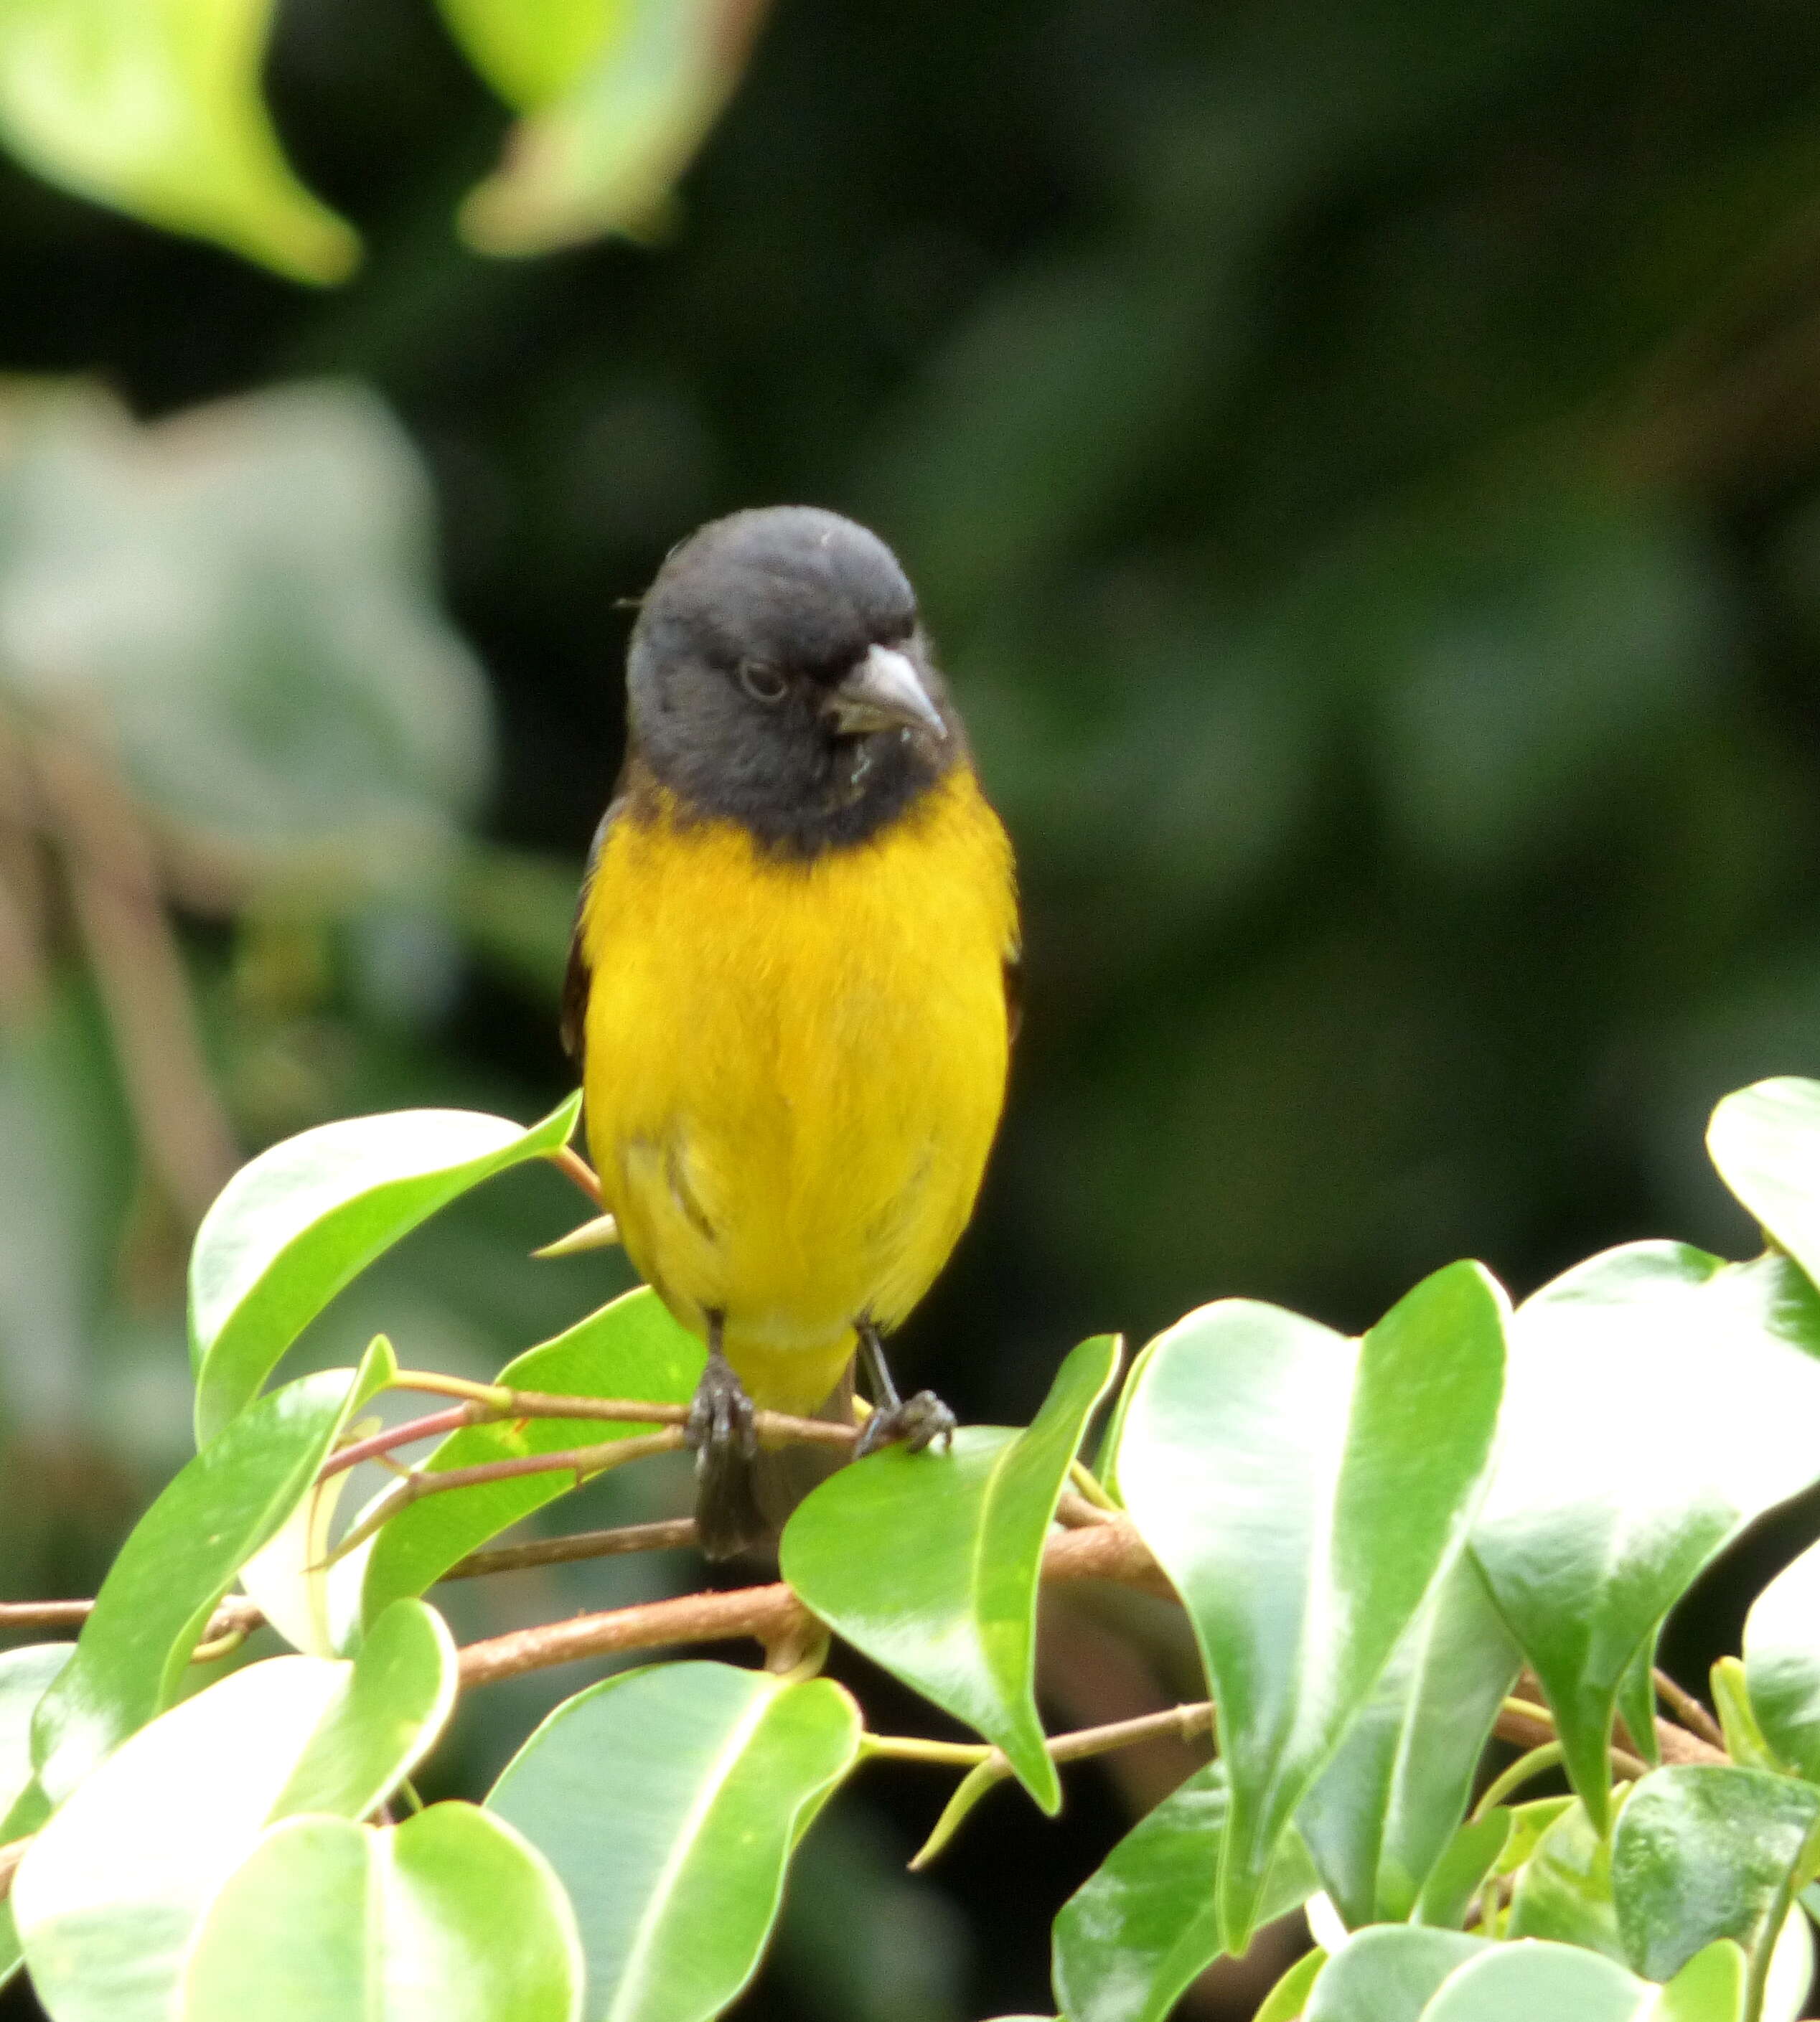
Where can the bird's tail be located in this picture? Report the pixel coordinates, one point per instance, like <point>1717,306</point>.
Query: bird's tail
<point>742,1503</point>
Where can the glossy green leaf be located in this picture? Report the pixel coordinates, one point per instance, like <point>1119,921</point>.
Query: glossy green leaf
<point>606,137</point>
<point>1765,1141</point>
<point>1745,1742</point>
<point>1782,1663</point>
<point>630,1348</point>
<point>1563,1890</point>
<point>109,1895</point>
<point>1304,1492</point>
<point>178,1561</point>
<point>1522,1983</point>
<point>1586,1541</point>
<point>1528,1823</point>
<point>962,1533</point>
<point>448,1918</point>
<point>668,1799</point>
<point>1700,1853</point>
<point>1457,1878</point>
<point>1139,1929</point>
<point>1382,1812</point>
<point>1636,1700</point>
<point>290,1229</point>
<point>1286,2001</point>
<point>154,107</point>
<point>1388,1973</point>
<point>1710,1988</point>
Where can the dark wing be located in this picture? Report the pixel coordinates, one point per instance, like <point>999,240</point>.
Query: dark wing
<point>578,976</point>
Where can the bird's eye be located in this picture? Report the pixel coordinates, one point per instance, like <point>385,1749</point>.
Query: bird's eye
<point>762,681</point>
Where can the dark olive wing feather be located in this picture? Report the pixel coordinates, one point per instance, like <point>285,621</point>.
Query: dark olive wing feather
<point>579,974</point>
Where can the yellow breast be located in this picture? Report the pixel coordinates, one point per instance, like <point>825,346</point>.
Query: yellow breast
<point>794,1069</point>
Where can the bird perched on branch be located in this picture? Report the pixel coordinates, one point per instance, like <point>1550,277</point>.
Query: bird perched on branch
<point>790,990</point>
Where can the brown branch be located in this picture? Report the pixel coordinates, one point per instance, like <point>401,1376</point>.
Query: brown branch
<point>669,1535</point>
<point>236,1612</point>
<point>1689,1711</point>
<point>451,1420</point>
<point>1676,1744</point>
<point>572,1165</point>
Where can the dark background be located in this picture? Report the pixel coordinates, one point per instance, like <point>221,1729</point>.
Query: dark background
<point>1361,461</point>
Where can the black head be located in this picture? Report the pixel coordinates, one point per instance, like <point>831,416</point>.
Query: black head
<point>778,677</point>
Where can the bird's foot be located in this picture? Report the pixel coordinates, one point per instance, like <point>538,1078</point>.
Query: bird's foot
<point>721,1419</point>
<point>720,1429</point>
<point>916,1423</point>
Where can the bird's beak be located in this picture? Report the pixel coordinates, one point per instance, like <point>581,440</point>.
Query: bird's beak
<point>884,691</point>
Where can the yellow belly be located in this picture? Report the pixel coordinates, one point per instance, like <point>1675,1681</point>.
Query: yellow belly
<point>795,1070</point>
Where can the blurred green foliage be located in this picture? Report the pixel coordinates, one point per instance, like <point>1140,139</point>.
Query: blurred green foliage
<point>1360,461</point>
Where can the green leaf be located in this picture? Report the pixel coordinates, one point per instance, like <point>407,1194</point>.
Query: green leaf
<point>1586,1541</point>
<point>1388,1973</point>
<point>1700,1853</point>
<point>1137,1931</point>
<point>154,107</point>
<point>1520,1982</point>
<point>1791,1973</point>
<point>1782,1663</point>
<point>1765,1141</point>
<point>532,51</point>
<point>179,1560</point>
<point>1708,1988</point>
<point>111,1891</point>
<point>1528,1823</point>
<point>24,1676</point>
<point>1563,1890</point>
<point>668,1801</point>
<point>1636,1700</point>
<point>1745,1742</point>
<point>1457,1878</point>
<point>448,1918</point>
<point>1286,2001</point>
<point>1382,1812</point>
<point>630,1348</point>
<point>290,1229</point>
<point>961,1534</point>
<point>1304,1492</point>
<point>606,137</point>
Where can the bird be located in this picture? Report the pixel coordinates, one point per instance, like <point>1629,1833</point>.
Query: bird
<point>792,988</point>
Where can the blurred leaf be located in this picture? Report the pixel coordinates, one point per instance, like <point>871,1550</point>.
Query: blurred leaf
<point>668,1801</point>
<point>290,1229</point>
<point>1388,1973</point>
<point>449,1917</point>
<point>1782,1663</point>
<point>109,1896</point>
<point>1745,1742</point>
<point>154,107</point>
<point>962,1532</point>
<point>1700,1853</point>
<point>1130,1939</point>
<point>1563,1890</point>
<point>1765,1142</point>
<point>1791,1974</point>
<point>1383,1812</point>
<point>1457,1877</point>
<point>1708,1988</point>
<point>179,1560</point>
<point>238,605</point>
<point>1585,1541</point>
<point>1528,1823</point>
<point>1518,1982</point>
<point>1304,1492</point>
<point>1286,2001</point>
<point>25,1675</point>
<point>630,1348</point>
<point>603,144</point>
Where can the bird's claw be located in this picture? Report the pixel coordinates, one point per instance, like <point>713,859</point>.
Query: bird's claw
<point>916,1423</point>
<point>721,1419</point>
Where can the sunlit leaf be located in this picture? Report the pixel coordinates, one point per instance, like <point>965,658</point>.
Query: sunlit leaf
<point>290,1229</point>
<point>1745,1742</point>
<point>630,1348</point>
<point>1140,1929</point>
<point>25,1674</point>
<point>154,107</point>
<point>1385,1808</point>
<point>1586,1541</point>
<point>1388,1973</point>
<point>532,51</point>
<point>110,1893</point>
<point>1765,1142</point>
<point>1782,1663</point>
<point>1710,1988</point>
<point>179,1560</point>
<point>1563,1890</point>
<point>1286,2001</point>
<point>448,1918</point>
<point>962,1532</point>
<point>668,1799</point>
<point>1528,1823</point>
<point>1304,1492</point>
<point>600,148</point>
<point>1700,1853</point>
<point>1518,1982</point>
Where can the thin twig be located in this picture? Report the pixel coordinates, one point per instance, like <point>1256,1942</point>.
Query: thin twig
<point>572,1165</point>
<point>426,1428</point>
<point>235,1612</point>
<point>499,1400</point>
<point>671,1535</point>
<point>1688,1710</point>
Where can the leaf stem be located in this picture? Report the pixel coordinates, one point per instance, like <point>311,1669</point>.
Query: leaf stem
<point>572,1165</point>
<point>1548,1756</point>
<point>1688,1710</point>
<point>913,1748</point>
<point>1090,1487</point>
